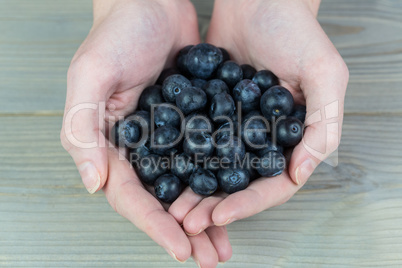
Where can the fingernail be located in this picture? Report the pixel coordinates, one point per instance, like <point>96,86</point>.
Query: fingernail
<point>198,264</point>
<point>304,171</point>
<point>90,176</point>
<point>230,220</point>
<point>222,262</point>
<point>171,253</point>
<point>189,234</point>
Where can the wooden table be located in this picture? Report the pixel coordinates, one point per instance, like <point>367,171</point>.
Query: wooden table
<point>346,216</point>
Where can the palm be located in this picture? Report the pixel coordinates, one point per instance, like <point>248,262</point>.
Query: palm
<point>288,41</point>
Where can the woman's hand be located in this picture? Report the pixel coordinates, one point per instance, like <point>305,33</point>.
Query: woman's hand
<point>282,36</point>
<point>130,43</point>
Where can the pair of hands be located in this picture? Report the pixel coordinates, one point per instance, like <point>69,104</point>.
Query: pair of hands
<point>132,41</point>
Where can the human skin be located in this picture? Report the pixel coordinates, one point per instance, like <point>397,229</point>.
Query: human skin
<point>282,36</point>
<point>130,43</point>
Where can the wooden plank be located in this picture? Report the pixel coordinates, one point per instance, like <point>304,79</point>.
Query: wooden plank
<point>344,216</point>
<point>39,39</point>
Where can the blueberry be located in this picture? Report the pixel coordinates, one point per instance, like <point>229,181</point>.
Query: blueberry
<point>203,182</point>
<point>232,180</point>
<point>197,82</point>
<point>254,131</point>
<point>149,168</point>
<point>142,120</point>
<point>289,131</point>
<point>222,105</point>
<point>182,167</point>
<point>191,99</point>
<point>270,146</point>
<point>198,122</point>
<point>275,102</point>
<point>125,132</point>
<point>167,115</point>
<point>173,85</point>
<point>168,188</point>
<point>231,148</point>
<point>215,86</point>
<point>248,71</point>
<point>198,146</point>
<point>299,111</point>
<point>225,54</point>
<point>165,74</point>
<point>249,94</point>
<point>230,72</point>
<point>265,80</point>
<point>228,129</point>
<point>166,140</point>
<point>139,152</point>
<point>250,163</point>
<point>271,164</point>
<point>150,95</point>
<point>181,60</point>
<point>203,59</point>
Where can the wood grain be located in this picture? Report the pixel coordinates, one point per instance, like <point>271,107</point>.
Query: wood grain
<point>38,40</point>
<point>344,216</point>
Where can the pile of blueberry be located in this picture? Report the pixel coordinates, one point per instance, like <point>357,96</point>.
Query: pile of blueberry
<point>210,124</point>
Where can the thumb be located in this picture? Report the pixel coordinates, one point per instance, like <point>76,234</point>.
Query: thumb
<point>83,123</point>
<point>324,92</point>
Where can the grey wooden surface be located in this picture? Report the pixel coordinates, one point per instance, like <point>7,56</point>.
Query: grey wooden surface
<point>346,216</point>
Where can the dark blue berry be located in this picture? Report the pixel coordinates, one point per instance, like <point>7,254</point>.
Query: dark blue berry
<point>230,72</point>
<point>270,146</point>
<point>299,111</point>
<point>250,163</point>
<point>248,71</point>
<point>254,131</point>
<point>231,148</point>
<point>203,182</point>
<point>150,95</point>
<point>166,140</point>
<point>191,99</point>
<point>265,80</point>
<point>181,60</point>
<point>228,129</point>
<point>271,164</point>
<point>215,86</point>
<point>149,168</point>
<point>289,131</point>
<point>125,133</point>
<point>198,146</point>
<point>173,86</point>
<point>165,74</point>
<point>198,122</point>
<point>182,167</point>
<point>197,82</point>
<point>222,105</point>
<point>203,59</point>
<point>275,102</point>
<point>167,188</point>
<point>232,180</point>
<point>167,115</point>
<point>225,54</point>
<point>249,94</point>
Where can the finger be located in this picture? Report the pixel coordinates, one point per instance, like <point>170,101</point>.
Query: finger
<point>203,251</point>
<point>260,195</point>
<point>220,239</point>
<point>324,92</point>
<point>184,204</point>
<point>200,217</point>
<point>82,132</point>
<point>130,199</point>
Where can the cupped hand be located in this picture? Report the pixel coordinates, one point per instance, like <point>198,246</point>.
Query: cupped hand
<point>282,36</point>
<point>127,48</point>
